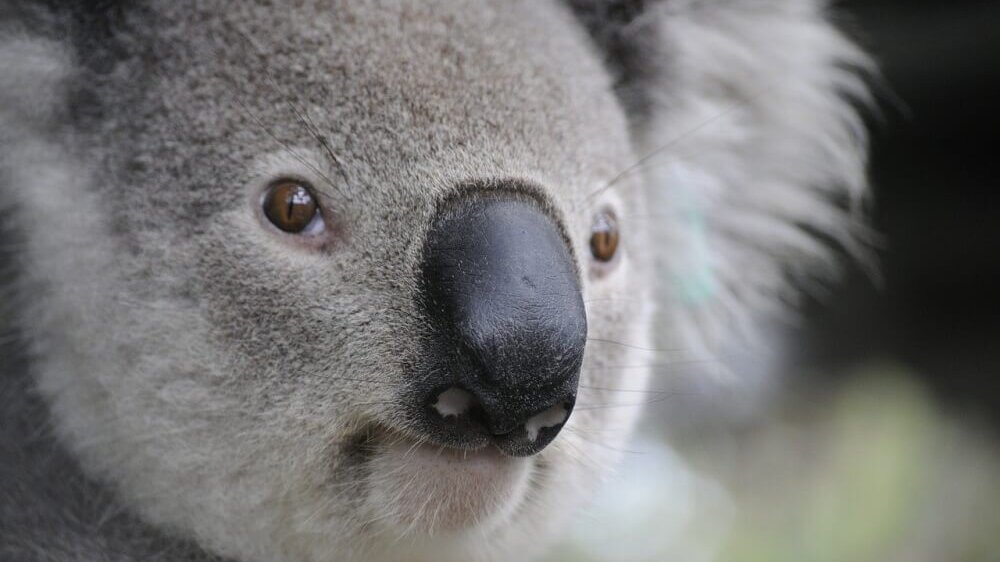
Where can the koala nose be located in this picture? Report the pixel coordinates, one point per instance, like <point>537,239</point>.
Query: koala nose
<point>509,327</point>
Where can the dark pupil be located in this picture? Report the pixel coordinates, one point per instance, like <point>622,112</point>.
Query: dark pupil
<point>290,207</point>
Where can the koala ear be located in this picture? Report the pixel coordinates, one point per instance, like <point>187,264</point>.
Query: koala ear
<point>754,154</point>
<point>33,82</point>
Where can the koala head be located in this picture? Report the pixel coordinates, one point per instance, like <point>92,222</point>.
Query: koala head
<point>365,280</point>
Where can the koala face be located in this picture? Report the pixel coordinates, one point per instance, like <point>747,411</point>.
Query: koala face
<point>347,272</point>
<point>365,280</point>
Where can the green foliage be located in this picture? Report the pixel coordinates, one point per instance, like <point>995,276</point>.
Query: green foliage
<point>876,474</point>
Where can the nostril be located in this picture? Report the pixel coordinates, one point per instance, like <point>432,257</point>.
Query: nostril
<point>473,418</point>
<point>457,417</point>
<point>453,402</point>
<point>553,417</point>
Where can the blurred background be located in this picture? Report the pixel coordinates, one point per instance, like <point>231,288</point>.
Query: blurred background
<point>881,442</point>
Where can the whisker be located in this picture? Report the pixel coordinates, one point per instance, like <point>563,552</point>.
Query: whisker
<point>645,403</point>
<point>632,346</point>
<point>623,390</point>
<point>362,380</point>
<point>302,114</point>
<point>664,366</point>
<point>582,434</point>
<point>288,147</point>
<point>638,164</point>
<point>613,299</point>
<point>376,403</point>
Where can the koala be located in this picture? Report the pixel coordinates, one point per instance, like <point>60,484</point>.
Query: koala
<point>368,279</point>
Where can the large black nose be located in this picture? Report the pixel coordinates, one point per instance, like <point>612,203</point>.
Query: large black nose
<point>509,327</point>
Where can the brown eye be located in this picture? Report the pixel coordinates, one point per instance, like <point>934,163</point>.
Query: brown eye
<point>604,236</point>
<point>290,206</point>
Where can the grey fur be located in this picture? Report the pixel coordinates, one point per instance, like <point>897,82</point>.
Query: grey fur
<point>184,377</point>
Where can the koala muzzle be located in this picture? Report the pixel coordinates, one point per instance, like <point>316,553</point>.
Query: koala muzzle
<point>502,293</point>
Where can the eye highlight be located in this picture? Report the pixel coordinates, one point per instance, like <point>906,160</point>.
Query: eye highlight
<point>291,206</point>
<point>604,236</point>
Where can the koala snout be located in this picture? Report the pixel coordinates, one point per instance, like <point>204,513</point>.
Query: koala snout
<point>508,326</point>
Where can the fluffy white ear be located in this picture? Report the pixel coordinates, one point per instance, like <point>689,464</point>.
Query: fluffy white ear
<point>756,158</point>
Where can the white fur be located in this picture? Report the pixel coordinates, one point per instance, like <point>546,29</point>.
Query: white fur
<point>759,141</point>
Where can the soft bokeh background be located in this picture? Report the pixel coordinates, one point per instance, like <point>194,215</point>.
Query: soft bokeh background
<point>881,439</point>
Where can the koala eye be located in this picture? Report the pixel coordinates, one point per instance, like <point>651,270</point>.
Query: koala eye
<point>604,236</point>
<point>291,206</point>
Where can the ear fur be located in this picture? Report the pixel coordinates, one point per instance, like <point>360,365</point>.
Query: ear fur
<point>33,83</point>
<point>755,154</point>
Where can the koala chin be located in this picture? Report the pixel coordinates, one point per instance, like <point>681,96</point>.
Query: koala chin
<point>369,280</point>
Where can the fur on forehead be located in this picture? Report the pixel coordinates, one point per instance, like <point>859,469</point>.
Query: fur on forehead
<point>392,96</point>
